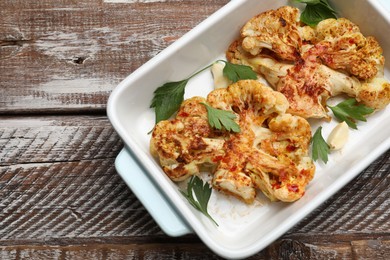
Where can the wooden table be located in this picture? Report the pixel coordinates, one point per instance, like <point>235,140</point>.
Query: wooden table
<point>60,196</point>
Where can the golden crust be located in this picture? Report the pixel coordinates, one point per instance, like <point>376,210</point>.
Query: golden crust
<point>278,31</point>
<point>274,29</point>
<point>344,47</point>
<point>375,93</point>
<point>248,95</point>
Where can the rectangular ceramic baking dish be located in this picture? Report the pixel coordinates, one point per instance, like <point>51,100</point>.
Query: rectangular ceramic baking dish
<point>243,229</point>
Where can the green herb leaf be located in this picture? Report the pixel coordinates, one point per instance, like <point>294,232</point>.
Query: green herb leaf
<point>202,193</point>
<point>220,118</point>
<point>349,111</point>
<point>236,72</point>
<point>167,99</point>
<point>316,11</point>
<point>320,149</point>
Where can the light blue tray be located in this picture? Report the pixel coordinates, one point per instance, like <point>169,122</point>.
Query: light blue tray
<point>149,195</point>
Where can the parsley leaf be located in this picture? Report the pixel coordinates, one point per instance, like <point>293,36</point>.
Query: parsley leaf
<point>168,97</point>
<point>349,111</point>
<point>316,11</point>
<point>202,195</point>
<point>236,72</point>
<point>220,118</point>
<point>320,148</point>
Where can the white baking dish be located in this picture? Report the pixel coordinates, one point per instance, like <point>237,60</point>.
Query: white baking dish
<point>243,229</point>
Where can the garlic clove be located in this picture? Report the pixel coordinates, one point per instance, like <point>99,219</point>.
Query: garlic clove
<point>339,136</point>
<point>220,81</point>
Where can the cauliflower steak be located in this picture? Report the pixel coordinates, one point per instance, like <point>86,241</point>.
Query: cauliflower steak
<point>309,65</point>
<point>270,153</point>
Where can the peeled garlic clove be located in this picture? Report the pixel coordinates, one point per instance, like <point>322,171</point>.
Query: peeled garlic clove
<point>219,80</point>
<point>338,137</point>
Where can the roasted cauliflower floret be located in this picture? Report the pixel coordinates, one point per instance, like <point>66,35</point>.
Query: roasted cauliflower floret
<point>187,143</point>
<point>333,58</point>
<point>270,152</point>
<point>286,177</point>
<point>231,176</point>
<point>248,97</point>
<point>375,93</point>
<point>331,28</point>
<point>305,85</point>
<point>276,30</point>
<point>344,47</point>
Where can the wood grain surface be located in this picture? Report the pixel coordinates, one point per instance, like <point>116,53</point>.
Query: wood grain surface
<point>68,55</point>
<point>60,196</point>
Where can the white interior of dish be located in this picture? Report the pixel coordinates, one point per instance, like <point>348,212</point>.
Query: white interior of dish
<point>243,229</point>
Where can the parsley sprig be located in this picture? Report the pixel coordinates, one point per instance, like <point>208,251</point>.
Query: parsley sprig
<point>320,148</point>
<point>168,97</point>
<point>220,118</point>
<point>349,111</point>
<point>316,11</point>
<point>202,193</point>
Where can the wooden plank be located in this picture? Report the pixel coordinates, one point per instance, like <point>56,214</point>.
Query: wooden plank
<point>69,200</point>
<point>69,55</point>
<point>56,139</point>
<point>329,248</point>
<point>282,249</point>
<point>57,179</point>
<point>109,251</point>
<point>371,249</point>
